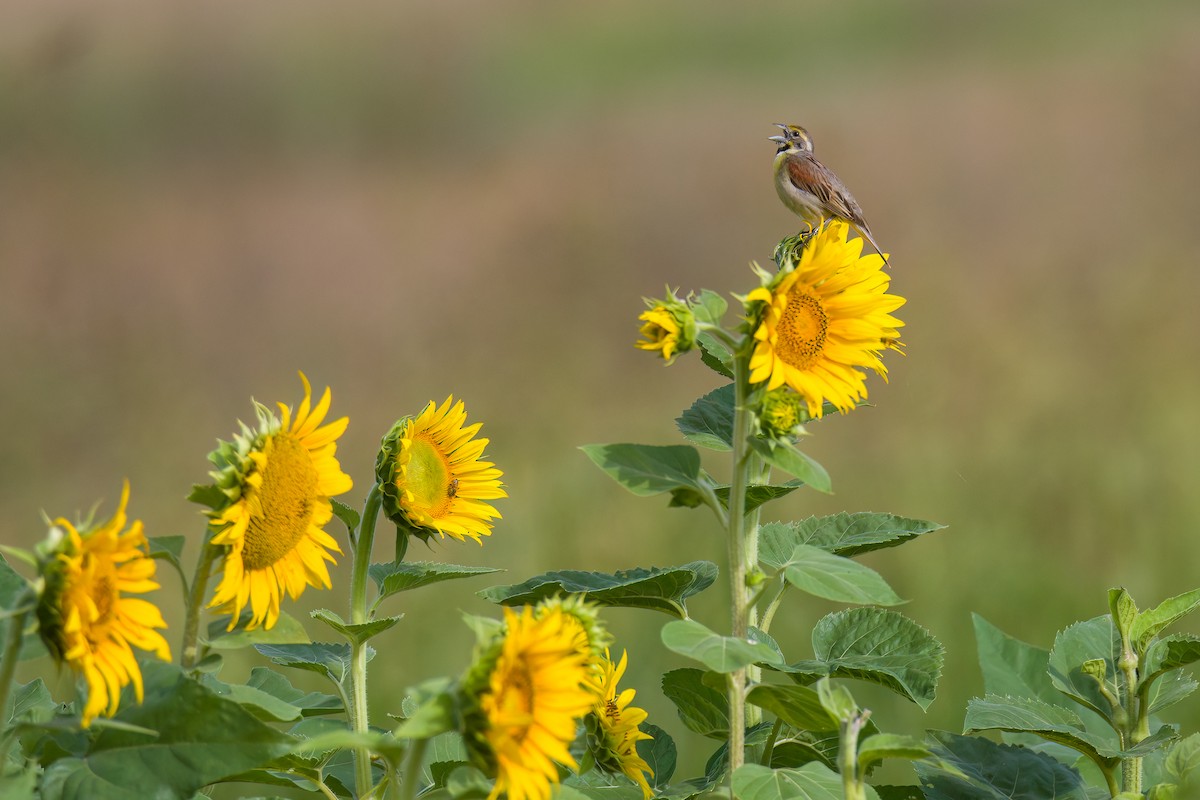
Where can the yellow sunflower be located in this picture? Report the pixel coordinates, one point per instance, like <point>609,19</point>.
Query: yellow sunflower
<point>531,701</point>
<point>826,315</point>
<point>613,728</point>
<point>86,618</point>
<point>669,327</point>
<point>432,475</point>
<point>273,532</point>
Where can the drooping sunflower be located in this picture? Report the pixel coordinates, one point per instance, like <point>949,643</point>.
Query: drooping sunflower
<point>278,481</point>
<point>86,618</point>
<point>825,316</point>
<point>613,731</point>
<point>433,477</point>
<point>524,699</point>
<point>669,327</point>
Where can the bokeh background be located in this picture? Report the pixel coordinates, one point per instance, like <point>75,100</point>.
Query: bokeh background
<point>408,200</point>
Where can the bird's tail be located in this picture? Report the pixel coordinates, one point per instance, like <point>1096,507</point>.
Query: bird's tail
<point>865,232</point>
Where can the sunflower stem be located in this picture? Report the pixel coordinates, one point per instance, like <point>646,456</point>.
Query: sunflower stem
<point>8,661</point>
<point>739,551</point>
<point>359,721</point>
<point>412,768</point>
<point>189,650</point>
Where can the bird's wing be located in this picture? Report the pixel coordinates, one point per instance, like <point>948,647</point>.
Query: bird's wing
<point>810,175</point>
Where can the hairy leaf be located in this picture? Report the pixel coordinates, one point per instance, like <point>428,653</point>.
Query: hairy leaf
<point>974,768</point>
<point>833,577</point>
<point>719,653</point>
<point>842,534</point>
<point>702,708</point>
<point>709,421</point>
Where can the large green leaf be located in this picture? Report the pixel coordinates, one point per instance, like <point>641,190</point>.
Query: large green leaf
<point>759,493</point>
<point>1169,689</point>
<point>1051,722</point>
<point>14,590</point>
<point>876,645</point>
<point>276,685</point>
<point>813,781</point>
<point>785,456</point>
<point>1082,642</point>
<point>1153,621</point>
<point>648,469</point>
<point>659,752</point>
<point>719,653</point>
<point>974,768</point>
<point>391,578</point>
<point>330,660</point>
<point>842,534</point>
<point>889,745</point>
<point>1012,667</point>
<point>1184,759</point>
<point>833,577</point>
<point>202,738</point>
<point>702,708</point>
<point>663,589</point>
<point>709,421</point>
<point>798,706</point>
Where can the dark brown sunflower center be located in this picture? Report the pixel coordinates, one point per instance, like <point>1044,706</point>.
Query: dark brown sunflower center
<point>802,329</point>
<point>285,503</point>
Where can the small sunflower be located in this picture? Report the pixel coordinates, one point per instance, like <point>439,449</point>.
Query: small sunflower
<point>613,728</point>
<point>278,480</point>
<point>432,475</point>
<point>525,698</point>
<point>85,617</point>
<point>669,327</point>
<point>826,315</point>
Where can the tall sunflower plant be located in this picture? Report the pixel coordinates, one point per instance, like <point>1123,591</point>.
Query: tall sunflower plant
<point>538,710</point>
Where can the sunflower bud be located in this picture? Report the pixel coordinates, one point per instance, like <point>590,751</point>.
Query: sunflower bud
<point>782,414</point>
<point>669,327</point>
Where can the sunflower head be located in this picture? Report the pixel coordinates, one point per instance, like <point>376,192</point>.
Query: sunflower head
<point>584,617</point>
<point>668,327</point>
<point>522,700</point>
<point>433,476</point>
<point>612,728</point>
<point>822,320</point>
<point>86,616</point>
<point>269,506</point>
<point>782,413</point>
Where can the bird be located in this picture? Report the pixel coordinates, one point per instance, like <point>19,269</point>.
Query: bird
<point>811,189</point>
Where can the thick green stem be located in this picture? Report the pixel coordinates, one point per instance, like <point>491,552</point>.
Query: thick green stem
<point>189,650</point>
<point>359,719</point>
<point>739,549</point>
<point>8,661</point>
<point>1135,721</point>
<point>853,787</point>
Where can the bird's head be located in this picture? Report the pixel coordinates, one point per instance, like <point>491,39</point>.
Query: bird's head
<point>794,139</point>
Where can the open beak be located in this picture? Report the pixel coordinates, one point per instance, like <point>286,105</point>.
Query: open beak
<point>781,139</point>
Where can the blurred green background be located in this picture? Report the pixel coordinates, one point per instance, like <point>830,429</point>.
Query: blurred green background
<point>408,200</point>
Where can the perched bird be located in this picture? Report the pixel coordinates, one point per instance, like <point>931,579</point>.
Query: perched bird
<point>810,188</point>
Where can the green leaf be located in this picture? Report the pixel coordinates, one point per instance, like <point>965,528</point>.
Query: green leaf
<point>14,591</point>
<point>1122,608</point>
<point>837,700</point>
<point>648,469</point>
<point>434,716</point>
<point>1152,621</point>
<point>708,306</point>
<point>286,630</point>
<point>381,743</point>
<point>349,516</point>
<point>330,660</point>
<point>356,633</point>
<point>310,703</point>
<point>664,589</point>
<point>758,493</point>
<point>974,768</point>
<point>1051,722</point>
<point>798,706</point>
<point>1169,689</point>
<point>1012,667</point>
<point>1184,758</point>
<point>785,456</point>
<point>715,355</point>
<point>709,421</point>
<point>722,654</point>
<point>1075,645</point>
<point>169,549</point>
<point>813,781</point>
<point>659,753</point>
<point>1172,652</point>
<point>201,739</point>
<point>262,705</point>
<point>889,745</point>
<point>832,577</point>
<point>841,534</point>
<point>876,645</point>
<point>392,578</point>
<point>703,709</point>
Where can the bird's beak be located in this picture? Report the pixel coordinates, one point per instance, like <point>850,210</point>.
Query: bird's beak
<point>781,125</point>
<point>780,139</point>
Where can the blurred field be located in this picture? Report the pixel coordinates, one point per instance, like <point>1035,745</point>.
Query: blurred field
<point>412,200</point>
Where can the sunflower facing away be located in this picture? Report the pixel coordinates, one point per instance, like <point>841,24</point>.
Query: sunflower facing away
<point>824,317</point>
<point>530,701</point>
<point>613,728</point>
<point>85,615</point>
<point>279,480</point>
<point>432,475</point>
